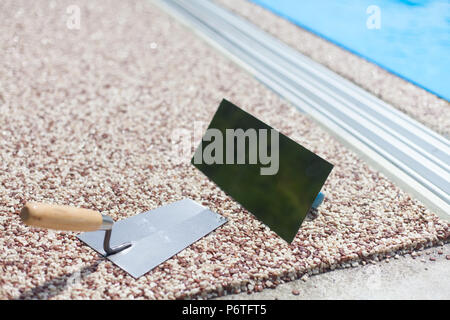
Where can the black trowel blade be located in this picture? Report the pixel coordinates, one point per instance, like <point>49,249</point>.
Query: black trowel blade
<point>281,200</point>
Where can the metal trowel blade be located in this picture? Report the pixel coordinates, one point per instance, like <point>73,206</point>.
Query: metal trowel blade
<point>156,235</point>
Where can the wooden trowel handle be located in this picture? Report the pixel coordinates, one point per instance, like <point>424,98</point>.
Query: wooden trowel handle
<point>58,217</point>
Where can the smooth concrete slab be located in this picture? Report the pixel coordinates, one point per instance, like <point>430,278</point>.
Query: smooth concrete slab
<point>402,278</point>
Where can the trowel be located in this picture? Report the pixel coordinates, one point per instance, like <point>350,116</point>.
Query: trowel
<point>136,244</point>
<point>279,189</point>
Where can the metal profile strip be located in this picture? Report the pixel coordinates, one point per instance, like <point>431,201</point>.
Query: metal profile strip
<point>415,157</point>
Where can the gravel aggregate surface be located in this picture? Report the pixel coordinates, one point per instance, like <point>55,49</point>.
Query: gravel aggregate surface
<point>86,119</point>
<point>418,103</point>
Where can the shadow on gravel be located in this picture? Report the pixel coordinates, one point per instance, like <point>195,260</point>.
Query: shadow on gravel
<point>59,284</point>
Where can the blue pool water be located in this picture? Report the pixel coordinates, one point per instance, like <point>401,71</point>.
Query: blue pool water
<point>413,40</point>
